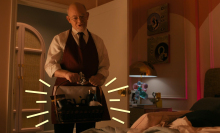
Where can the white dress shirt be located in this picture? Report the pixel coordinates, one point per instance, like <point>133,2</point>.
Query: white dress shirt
<point>57,46</point>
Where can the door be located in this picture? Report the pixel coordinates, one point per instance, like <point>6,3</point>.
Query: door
<point>29,59</point>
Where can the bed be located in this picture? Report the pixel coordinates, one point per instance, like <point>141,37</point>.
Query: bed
<point>203,116</point>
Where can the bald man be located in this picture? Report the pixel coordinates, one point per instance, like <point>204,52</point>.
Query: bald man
<point>74,51</point>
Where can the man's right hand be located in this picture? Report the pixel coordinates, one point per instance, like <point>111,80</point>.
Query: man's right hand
<point>72,77</point>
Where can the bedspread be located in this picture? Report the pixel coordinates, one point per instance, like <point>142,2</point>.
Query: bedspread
<point>184,126</point>
<point>109,129</point>
<point>180,125</point>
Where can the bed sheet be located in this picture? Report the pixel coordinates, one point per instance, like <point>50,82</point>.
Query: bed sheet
<point>184,126</point>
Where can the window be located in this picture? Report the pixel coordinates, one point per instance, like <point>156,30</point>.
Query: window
<point>29,63</point>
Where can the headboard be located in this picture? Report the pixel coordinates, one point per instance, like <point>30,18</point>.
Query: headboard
<point>212,83</point>
<point>211,100</point>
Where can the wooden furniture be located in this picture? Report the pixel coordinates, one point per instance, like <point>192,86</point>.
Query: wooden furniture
<point>137,112</point>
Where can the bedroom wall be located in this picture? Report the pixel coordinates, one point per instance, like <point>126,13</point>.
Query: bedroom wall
<point>209,37</point>
<point>177,79</point>
<point>109,21</point>
<point>187,55</point>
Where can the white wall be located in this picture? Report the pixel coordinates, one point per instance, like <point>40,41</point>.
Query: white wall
<point>109,21</point>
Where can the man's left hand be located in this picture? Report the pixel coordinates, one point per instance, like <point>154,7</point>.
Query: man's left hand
<point>96,80</point>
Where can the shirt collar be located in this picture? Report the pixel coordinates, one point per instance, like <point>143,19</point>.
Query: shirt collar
<point>75,32</point>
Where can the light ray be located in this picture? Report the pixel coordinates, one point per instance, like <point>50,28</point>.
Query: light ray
<point>41,101</point>
<point>118,89</point>
<point>45,112</point>
<point>41,123</point>
<point>117,120</point>
<point>44,82</point>
<point>121,110</point>
<point>36,92</point>
<point>110,82</point>
<point>114,100</point>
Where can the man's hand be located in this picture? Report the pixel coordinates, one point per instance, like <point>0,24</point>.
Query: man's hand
<point>72,77</point>
<point>96,80</point>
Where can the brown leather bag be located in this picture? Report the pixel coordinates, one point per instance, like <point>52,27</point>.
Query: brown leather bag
<point>77,113</point>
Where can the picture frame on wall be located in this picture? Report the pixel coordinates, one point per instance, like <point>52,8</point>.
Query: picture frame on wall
<point>158,20</point>
<point>158,50</point>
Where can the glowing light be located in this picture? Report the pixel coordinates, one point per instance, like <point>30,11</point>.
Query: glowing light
<point>45,112</point>
<point>120,88</point>
<point>117,120</point>
<point>110,82</point>
<point>44,82</point>
<point>41,123</point>
<point>139,76</point>
<point>36,92</point>
<point>121,110</point>
<point>41,101</point>
<point>114,100</point>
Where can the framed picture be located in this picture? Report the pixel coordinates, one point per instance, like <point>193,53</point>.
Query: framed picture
<point>158,19</point>
<point>158,49</point>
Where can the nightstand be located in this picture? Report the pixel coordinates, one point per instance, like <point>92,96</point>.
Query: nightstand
<point>137,112</point>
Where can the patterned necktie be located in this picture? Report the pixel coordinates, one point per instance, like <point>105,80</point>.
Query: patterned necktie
<point>82,42</point>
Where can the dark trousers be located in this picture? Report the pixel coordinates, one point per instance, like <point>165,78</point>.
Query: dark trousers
<point>68,128</point>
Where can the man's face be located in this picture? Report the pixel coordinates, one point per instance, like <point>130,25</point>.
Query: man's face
<point>78,17</point>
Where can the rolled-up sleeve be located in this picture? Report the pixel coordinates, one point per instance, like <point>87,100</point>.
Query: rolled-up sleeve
<point>54,57</point>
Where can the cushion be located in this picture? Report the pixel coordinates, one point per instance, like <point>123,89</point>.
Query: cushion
<point>203,118</point>
<point>156,118</point>
<point>209,103</point>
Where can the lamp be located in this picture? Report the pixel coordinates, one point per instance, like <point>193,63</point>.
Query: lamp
<point>142,69</point>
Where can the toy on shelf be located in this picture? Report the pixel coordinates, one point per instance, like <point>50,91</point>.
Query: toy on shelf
<point>140,89</point>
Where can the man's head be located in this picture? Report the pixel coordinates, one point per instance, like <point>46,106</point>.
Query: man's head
<point>77,16</point>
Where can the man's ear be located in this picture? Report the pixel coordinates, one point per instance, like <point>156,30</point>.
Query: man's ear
<point>68,19</point>
<point>87,13</point>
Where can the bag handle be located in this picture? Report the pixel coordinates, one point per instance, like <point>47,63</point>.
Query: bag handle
<point>55,97</point>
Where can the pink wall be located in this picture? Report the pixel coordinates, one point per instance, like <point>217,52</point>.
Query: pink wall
<point>198,29</point>
<point>209,37</point>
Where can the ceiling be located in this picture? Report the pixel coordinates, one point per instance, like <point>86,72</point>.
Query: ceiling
<point>88,3</point>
